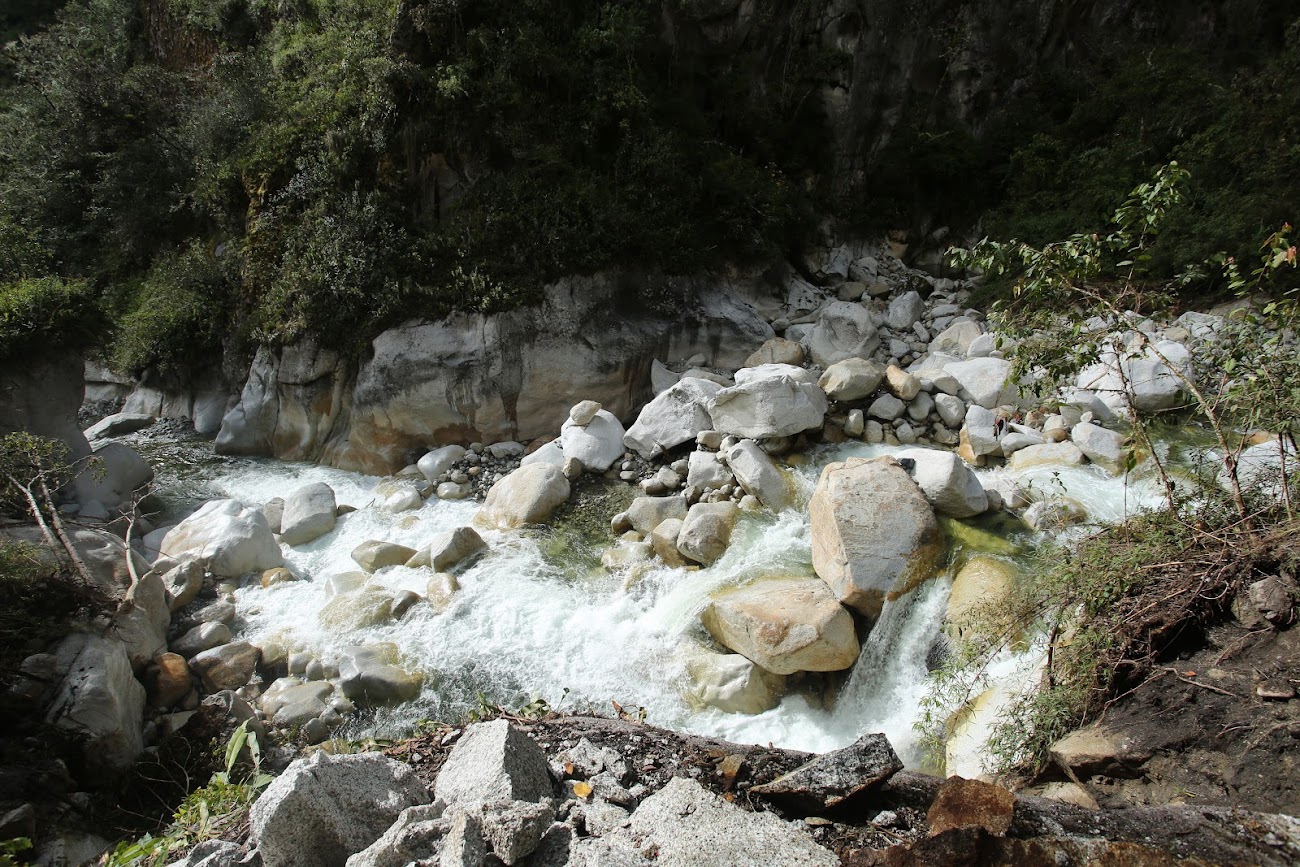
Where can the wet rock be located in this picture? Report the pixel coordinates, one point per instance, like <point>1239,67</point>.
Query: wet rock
<point>731,683</point>
<point>373,555</point>
<point>440,591</point>
<point>759,475</point>
<point>529,495</point>
<point>324,808</point>
<point>784,625</point>
<point>448,550</point>
<point>292,702</point>
<point>982,581</point>
<point>493,762</point>
<point>227,667</point>
<point>962,803</point>
<point>344,582</point>
<point>874,534</point>
<point>369,675</point>
<point>1055,514</point>
<point>309,513</point>
<point>706,531</point>
<point>647,513</point>
<point>833,778</point>
<point>1046,455</point>
<point>663,541</point>
<point>227,538</point>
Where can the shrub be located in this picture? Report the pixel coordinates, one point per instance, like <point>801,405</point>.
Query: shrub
<point>48,314</point>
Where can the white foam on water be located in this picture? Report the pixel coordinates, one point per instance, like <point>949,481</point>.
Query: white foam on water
<point>524,626</point>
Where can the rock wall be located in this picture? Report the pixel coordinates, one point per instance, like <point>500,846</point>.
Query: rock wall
<point>488,378</point>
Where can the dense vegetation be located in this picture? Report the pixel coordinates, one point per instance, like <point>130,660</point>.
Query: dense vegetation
<point>207,175</point>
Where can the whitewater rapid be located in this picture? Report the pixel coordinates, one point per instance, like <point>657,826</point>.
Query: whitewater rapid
<point>530,623</point>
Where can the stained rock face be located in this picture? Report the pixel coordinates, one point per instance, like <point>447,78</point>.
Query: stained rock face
<point>833,778</point>
<point>874,535</point>
<point>784,625</point>
<point>324,808</point>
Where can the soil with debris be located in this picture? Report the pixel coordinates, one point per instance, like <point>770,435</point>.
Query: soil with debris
<point>1219,726</point>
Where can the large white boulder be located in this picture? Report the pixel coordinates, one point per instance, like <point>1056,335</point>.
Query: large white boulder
<point>324,808</point>
<point>527,496</point>
<point>905,311</point>
<point>957,338</point>
<point>597,444</point>
<point>772,406</point>
<point>309,513</point>
<point>948,482</point>
<point>784,625</point>
<point>767,371</point>
<point>675,416</point>
<point>1103,447</point>
<point>228,537</point>
<point>874,534</point>
<point>843,330</point>
<point>759,475</point>
<point>851,379</point>
<point>1154,384</point>
<point>987,381</point>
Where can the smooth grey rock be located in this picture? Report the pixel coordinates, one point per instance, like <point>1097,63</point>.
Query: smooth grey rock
<point>370,675</point>
<point>833,778</point>
<point>986,380</point>
<point>759,475</point>
<point>1101,446</point>
<point>874,534</point>
<point>706,531</point>
<point>374,554</point>
<point>118,424</point>
<point>325,808</point>
<point>142,621</point>
<point>494,761</point>
<point>768,407</point>
<point>647,513</point>
<point>674,417</point>
<point>731,683</point>
<point>439,461</point>
<point>228,538</point>
<point>597,444</point>
<point>851,379</point>
<point>949,484</point>
<point>292,702</point>
<point>449,549</point>
<point>309,513</point>
<point>707,471</point>
<point>886,408</point>
<point>529,495</point>
<point>951,409</point>
<point>203,637</point>
<point>905,311</point>
<point>843,330</point>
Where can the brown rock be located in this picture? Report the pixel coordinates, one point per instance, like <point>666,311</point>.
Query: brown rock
<point>962,803</point>
<point>784,625</point>
<point>374,555</point>
<point>167,680</point>
<point>278,575</point>
<point>227,667</point>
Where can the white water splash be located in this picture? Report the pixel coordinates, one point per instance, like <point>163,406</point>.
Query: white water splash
<point>524,626</point>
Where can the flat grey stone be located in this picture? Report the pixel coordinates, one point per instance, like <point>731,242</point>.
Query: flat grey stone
<point>834,777</point>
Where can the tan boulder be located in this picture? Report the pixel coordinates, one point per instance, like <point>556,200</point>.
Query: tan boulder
<point>874,535</point>
<point>663,540</point>
<point>784,625</point>
<point>731,683</point>
<point>982,581</point>
<point>706,532</point>
<point>529,495</point>
<point>373,555</point>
